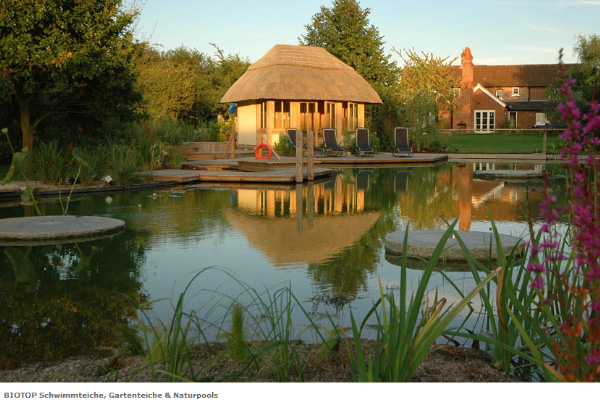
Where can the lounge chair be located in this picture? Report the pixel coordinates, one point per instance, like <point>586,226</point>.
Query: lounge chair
<point>401,143</point>
<point>291,134</point>
<point>332,147</point>
<point>363,148</point>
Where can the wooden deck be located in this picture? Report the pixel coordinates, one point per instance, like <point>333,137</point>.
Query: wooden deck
<point>381,159</point>
<point>282,170</point>
<point>274,175</point>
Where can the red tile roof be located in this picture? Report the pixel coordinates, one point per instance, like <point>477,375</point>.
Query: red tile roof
<point>514,75</point>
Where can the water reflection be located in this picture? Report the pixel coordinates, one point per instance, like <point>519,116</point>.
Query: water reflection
<point>64,300</point>
<point>325,238</point>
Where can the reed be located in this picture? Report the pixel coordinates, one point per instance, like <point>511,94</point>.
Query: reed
<point>406,332</point>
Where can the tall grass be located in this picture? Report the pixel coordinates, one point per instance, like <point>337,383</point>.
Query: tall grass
<point>509,307</point>
<point>406,332</point>
<point>266,317</point>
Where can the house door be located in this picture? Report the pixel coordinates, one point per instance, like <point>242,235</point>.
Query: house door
<point>512,119</point>
<point>485,121</point>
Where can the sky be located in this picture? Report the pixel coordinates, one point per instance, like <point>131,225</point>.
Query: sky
<point>499,32</point>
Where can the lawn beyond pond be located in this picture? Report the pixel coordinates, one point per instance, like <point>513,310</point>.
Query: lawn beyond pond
<point>501,144</point>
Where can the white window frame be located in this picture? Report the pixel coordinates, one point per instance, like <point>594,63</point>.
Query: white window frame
<point>516,91</point>
<point>499,93</point>
<point>487,121</point>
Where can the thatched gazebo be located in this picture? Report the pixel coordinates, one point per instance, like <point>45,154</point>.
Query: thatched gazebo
<point>300,87</point>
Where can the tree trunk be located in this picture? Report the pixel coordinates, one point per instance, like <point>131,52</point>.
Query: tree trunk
<point>26,127</point>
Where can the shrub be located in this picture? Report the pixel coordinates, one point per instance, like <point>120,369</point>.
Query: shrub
<point>283,147</point>
<point>51,162</point>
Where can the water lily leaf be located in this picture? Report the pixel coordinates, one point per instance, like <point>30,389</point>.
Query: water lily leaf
<point>22,266</point>
<point>18,165</point>
<point>82,161</point>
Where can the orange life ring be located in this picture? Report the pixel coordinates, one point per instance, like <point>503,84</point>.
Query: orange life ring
<point>261,146</point>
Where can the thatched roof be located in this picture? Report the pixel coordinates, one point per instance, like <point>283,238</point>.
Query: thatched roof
<point>289,72</point>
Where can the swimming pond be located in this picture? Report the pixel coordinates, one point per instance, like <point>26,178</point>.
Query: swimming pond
<point>324,240</point>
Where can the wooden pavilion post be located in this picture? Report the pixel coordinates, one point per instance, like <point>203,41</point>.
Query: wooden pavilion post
<point>310,139</point>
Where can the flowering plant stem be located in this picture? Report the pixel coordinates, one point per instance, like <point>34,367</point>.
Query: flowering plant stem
<point>566,266</point>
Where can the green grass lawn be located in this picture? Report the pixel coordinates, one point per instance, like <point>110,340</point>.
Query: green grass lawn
<point>501,144</point>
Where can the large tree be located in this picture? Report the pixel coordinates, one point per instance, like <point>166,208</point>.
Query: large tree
<point>185,84</point>
<point>344,30</point>
<point>68,57</point>
<point>426,86</point>
<point>587,73</point>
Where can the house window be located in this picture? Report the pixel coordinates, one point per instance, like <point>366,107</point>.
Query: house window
<point>282,115</point>
<point>499,94</point>
<point>485,121</point>
<point>516,91</point>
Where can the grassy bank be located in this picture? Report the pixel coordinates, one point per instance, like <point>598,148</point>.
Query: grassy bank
<point>501,144</point>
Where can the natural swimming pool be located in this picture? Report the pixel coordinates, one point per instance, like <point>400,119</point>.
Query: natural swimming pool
<point>324,240</point>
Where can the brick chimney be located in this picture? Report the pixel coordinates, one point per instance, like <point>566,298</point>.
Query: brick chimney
<point>466,62</point>
<point>463,119</point>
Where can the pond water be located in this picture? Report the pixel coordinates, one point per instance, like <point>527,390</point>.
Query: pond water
<point>324,240</point>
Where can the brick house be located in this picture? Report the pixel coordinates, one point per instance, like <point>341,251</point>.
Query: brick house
<point>501,96</point>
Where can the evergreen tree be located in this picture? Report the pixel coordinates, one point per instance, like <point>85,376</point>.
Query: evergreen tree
<point>344,31</point>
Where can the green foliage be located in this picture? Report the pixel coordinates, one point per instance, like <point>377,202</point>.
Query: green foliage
<point>68,58</point>
<point>123,163</point>
<point>344,30</point>
<point>283,147</point>
<point>226,128</point>
<point>236,341</point>
<point>586,74</point>
<point>405,333</point>
<point>186,85</point>
<point>50,161</point>
<point>432,141</point>
<point>426,87</point>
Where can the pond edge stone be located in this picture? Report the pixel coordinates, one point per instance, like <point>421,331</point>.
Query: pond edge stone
<point>56,229</point>
<point>422,243</point>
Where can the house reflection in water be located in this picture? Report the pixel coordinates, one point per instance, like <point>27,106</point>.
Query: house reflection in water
<point>310,224</point>
<point>303,225</point>
<point>505,201</point>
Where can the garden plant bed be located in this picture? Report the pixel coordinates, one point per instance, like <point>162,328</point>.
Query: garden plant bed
<point>212,363</point>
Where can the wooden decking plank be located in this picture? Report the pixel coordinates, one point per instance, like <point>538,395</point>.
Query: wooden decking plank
<point>277,175</point>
